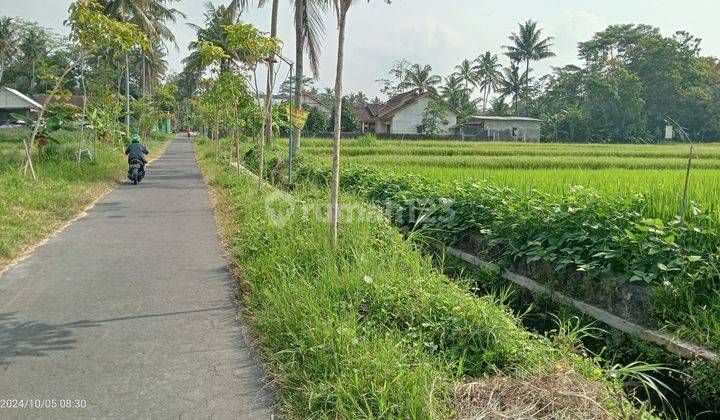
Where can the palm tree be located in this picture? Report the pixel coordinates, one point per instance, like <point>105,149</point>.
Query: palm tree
<point>420,79</point>
<point>512,83</point>
<point>309,31</point>
<point>155,63</point>
<point>453,88</point>
<point>8,32</point>
<point>216,18</point>
<point>499,108</point>
<point>271,68</point>
<point>489,74</point>
<point>34,45</point>
<point>341,9</point>
<point>467,72</point>
<point>150,16</point>
<point>528,45</point>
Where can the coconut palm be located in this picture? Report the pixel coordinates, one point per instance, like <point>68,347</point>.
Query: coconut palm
<point>271,66</point>
<point>341,9</point>
<point>8,46</point>
<point>467,72</point>
<point>216,18</point>
<point>512,84</point>
<point>150,16</point>
<point>453,88</point>
<point>499,107</point>
<point>155,63</point>
<point>420,79</point>
<point>489,74</point>
<point>309,32</point>
<point>34,46</point>
<point>529,45</point>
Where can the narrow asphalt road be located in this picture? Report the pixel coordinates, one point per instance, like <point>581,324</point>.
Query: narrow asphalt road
<point>131,310</point>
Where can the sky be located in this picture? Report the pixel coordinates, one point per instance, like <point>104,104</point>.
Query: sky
<point>437,32</point>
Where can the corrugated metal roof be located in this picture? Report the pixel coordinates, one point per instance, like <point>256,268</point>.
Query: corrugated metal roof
<point>29,101</point>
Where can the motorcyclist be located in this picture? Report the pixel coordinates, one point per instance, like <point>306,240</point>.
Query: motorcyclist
<point>136,151</point>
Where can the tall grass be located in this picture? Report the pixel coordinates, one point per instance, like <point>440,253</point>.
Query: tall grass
<point>368,329</point>
<point>31,210</point>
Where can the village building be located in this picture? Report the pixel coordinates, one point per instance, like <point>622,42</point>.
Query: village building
<point>75,100</point>
<point>14,102</point>
<point>491,128</point>
<point>308,99</point>
<point>402,114</point>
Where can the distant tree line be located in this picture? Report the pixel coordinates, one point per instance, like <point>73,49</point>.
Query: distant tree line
<point>632,80</point>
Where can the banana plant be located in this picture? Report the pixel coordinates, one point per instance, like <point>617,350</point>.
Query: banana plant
<point>58,117</point>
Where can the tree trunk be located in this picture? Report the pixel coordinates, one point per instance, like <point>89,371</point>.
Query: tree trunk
<point>142,57</point>
<point>486,94</point>
<point>28,146</point>
<point>335,191</point>
<point>271,75</point>
<point>32,80</point>
<point>82,123</point>
<point>127,96</point>
<point>527,85</point>
<point>299,49</point>
<point>2,69</point>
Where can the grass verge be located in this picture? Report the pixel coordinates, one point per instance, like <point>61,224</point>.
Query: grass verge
<point>32,211</point>
<point>370,329</point>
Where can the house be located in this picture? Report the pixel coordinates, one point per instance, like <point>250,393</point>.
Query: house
<point>14,102</point>
<point>309,99</point>
<point>402,114</point>
<point>491,128</point>
<point>76,100</point>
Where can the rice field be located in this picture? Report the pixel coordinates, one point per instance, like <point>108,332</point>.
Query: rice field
<point>655,171</point>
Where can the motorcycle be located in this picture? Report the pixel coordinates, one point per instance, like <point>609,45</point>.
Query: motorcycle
<point>136,172</point>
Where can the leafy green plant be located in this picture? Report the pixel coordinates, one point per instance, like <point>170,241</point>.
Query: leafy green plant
<point>57,117</point>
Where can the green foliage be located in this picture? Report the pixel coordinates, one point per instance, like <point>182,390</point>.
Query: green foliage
<point>582,234</point>
<point>367,329</point>
<point>634,80</point>
<point>434,119</point>
<point>317,120</point>
<point>366,140</point>
<point>705,383</point>
<point>95,30</point>
<point>33,210</point>
<point>348,119</point>
<point>57,117</point>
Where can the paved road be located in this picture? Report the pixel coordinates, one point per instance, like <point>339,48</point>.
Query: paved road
<point>131,309</point>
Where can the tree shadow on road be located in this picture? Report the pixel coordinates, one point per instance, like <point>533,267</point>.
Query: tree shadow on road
<point>19,337</point>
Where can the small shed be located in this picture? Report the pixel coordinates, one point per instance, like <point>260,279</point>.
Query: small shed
<point>491,128</point>
<point>14,102</point>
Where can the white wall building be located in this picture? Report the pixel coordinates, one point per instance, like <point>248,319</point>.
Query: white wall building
<point>402,114</point>
<point>493,128</point>
<point>14,102</point>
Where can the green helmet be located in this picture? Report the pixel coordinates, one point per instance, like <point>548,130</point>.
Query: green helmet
<point>135,138</point>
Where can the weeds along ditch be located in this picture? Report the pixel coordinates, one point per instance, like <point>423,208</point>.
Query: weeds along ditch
<point>692,389</point>
<point>371,329</point>
<point>32,210</point>
<point>582,243</point>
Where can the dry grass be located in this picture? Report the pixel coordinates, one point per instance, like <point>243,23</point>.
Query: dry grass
<point>561,394</point>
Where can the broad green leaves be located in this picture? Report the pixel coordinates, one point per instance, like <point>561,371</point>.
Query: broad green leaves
<point>95,30</point>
